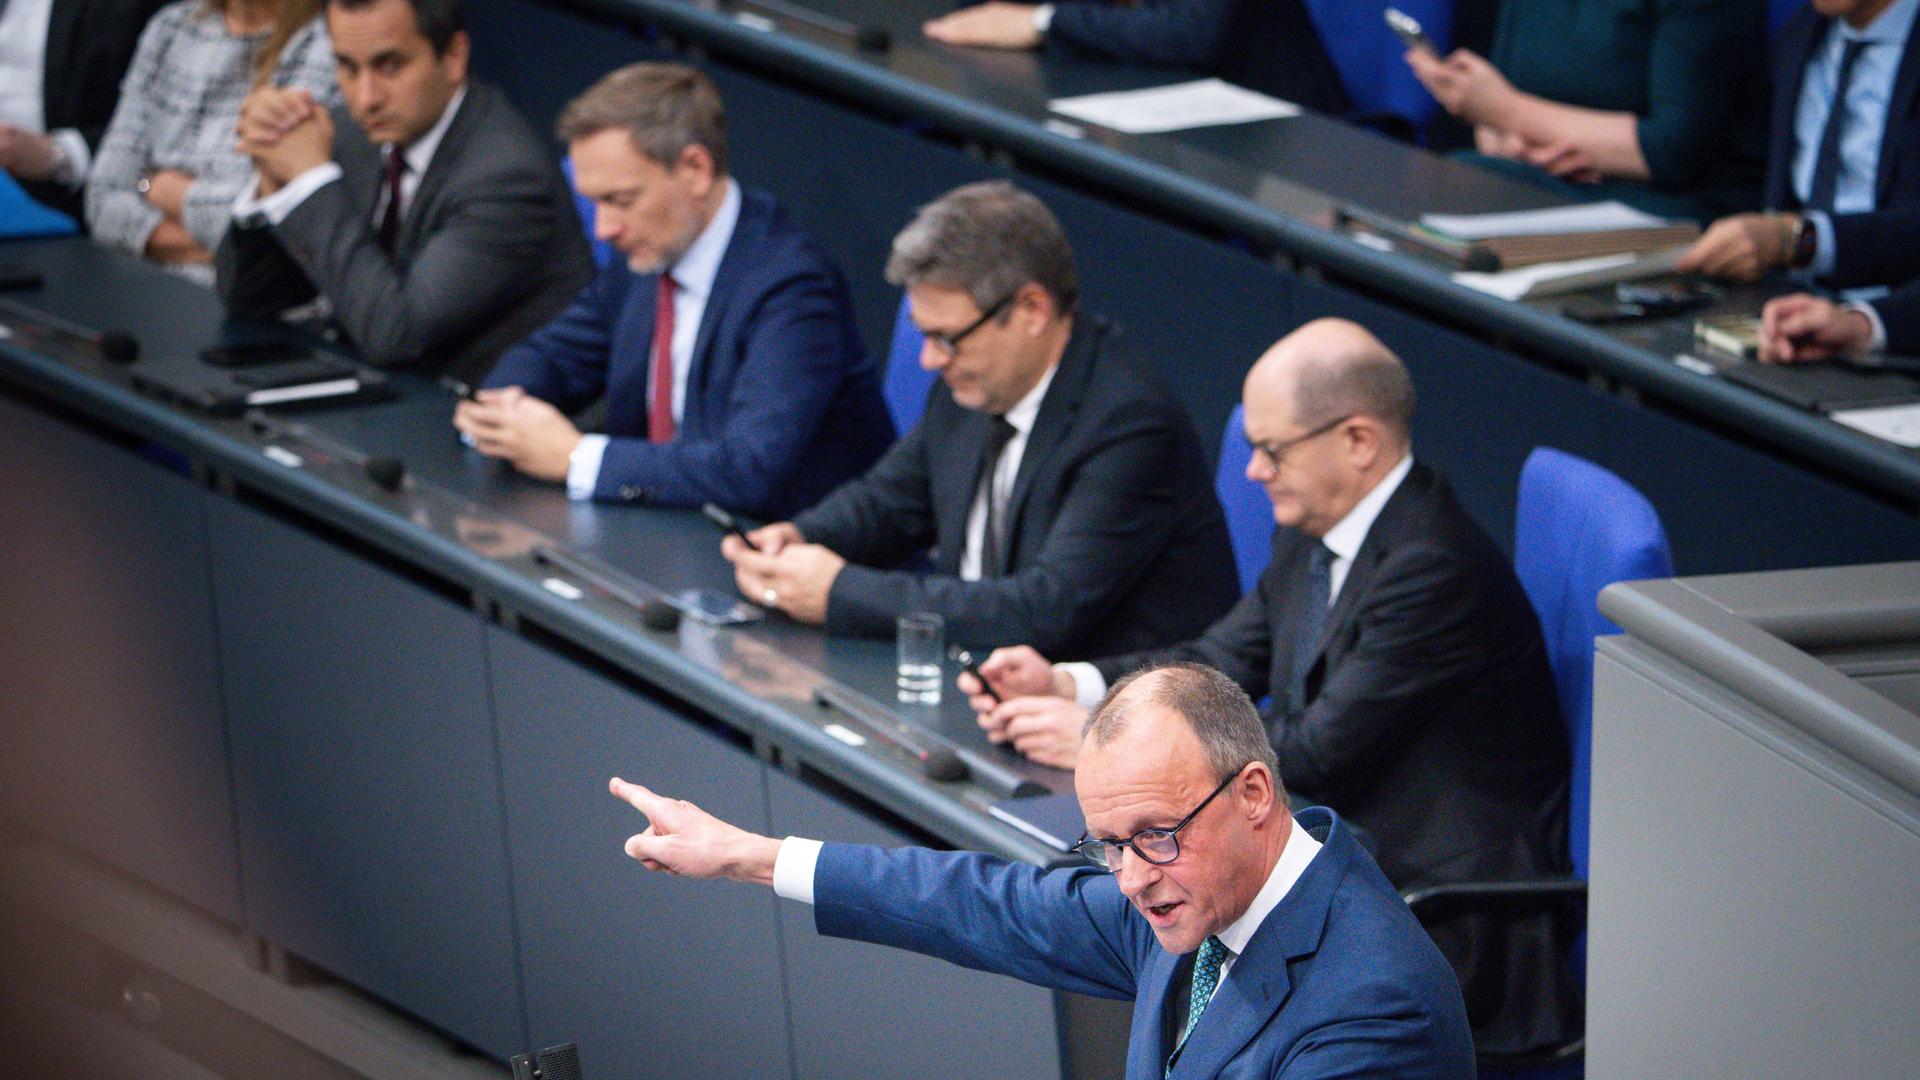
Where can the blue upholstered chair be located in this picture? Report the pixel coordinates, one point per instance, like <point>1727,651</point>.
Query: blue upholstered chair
<point>1249,514</point>
<point>1578,528</point>
<point>1370,59</point>
<point>906,383</point>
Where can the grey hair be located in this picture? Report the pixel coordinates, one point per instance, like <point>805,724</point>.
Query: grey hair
<point>664,107</point>
<point>1219,712</point>
<point>1367,379</point>
<point>989,239</point>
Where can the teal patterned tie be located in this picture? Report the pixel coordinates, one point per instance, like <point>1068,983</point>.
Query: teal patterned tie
<point>1206,976</point>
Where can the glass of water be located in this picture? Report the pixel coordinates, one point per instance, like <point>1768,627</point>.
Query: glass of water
<point>922,642</point>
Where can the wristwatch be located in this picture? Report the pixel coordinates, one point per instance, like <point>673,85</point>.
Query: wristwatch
<point>1806,241</point>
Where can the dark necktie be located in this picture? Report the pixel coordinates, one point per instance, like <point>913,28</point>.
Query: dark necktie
<point>1826,161</point>
<point>993,539</point>
<point>1315,593</point>
<point>660,408</point>
<point>390,217</point>
<point>1206,976</point>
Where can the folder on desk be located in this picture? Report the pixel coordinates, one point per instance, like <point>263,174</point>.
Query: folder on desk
<point>1561,234</point>
<point>1826,388</point>
<point>1054,820</point>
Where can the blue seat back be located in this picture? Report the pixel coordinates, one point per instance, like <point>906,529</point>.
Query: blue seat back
<point>907,383</point>
<point>1371,60</point>
<point>1249,513</point>
<point>602,251</point>
<point>1579,528</point>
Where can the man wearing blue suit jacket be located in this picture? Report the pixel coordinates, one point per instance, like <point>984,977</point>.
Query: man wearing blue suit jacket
<point>1844,149</point>
<point>724,344</point>
<point>1252,942</point>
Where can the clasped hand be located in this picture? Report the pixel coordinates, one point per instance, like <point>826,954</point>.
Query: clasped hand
<point>1038,715</point>
<point>520,429</point>
<point>285,132</point>
<point>786,572</point>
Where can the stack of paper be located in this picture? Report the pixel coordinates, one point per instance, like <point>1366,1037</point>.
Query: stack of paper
<point>1559,278</point>
<point>1562,234</point>
<point>1204,103</point>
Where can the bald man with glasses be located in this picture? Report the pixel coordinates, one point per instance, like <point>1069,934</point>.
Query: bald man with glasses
<point>1058,488</point>
<point>1407,679</point>
<point>1252,941</point>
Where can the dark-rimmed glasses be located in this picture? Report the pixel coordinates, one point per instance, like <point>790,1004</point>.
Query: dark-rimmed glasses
<point>950,343</point>
<point>1157,846</point>
<point>1275,451</point>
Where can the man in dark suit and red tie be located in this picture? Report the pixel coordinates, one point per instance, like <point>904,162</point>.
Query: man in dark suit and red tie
<point>723,341</point>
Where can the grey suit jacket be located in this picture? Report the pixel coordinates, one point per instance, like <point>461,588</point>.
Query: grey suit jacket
<point>489,249</point>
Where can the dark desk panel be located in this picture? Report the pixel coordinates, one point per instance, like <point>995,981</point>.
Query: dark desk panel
<point>635,967</point>
<point>111,732</point>
<point>365,776</point>
<point>1261,188</point>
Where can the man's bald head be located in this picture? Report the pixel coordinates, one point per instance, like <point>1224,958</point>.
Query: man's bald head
<point>1330,368</point>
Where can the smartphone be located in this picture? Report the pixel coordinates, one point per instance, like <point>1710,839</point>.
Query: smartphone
<point>726,522</point>
<point>1407,29</point>
<point>1671,298</point>
<point>715,608</point>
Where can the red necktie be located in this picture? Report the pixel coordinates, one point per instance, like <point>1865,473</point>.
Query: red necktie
<point>390,218</point>
<point>660,409</point>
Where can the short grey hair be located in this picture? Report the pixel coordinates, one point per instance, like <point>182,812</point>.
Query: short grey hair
<point>664,107</point>
<point>989,239</point>
<point>1221,715</point>
<point>1369,380</point>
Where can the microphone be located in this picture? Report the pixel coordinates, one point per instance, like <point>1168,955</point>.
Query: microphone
<point>659,615</point>
<point>938,761</point>
<point>870,38</point>
<point>387,473</point>
<point>118,346</point>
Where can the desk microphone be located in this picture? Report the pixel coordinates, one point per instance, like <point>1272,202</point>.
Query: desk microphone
<point>870,38</point>
<point>938,761</point>
<point>118,346</point>
<point>658,614</point>
<point>387,473</point>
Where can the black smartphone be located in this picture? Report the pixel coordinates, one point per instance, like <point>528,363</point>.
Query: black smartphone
<point>727,523</point>
<point>1408,30</point>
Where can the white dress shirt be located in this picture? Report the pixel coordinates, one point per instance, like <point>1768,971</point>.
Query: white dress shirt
<point>693,275</point>
<point>793,870</point>
<point>23,72</point>
<point>1021,416</point>
<point>418,154</point>
<point>1344,540</point>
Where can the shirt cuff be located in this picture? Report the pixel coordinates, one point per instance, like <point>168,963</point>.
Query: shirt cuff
<point>583,467</point>
<point>793,869</point>
<point>1089,686</point>
<point>1878,342</point>
<point>277,206</point>
<point>74,146</point>
<point>1822,224</point>
<point>1043,19</point>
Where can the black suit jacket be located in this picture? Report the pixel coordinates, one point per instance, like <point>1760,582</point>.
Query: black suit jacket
<point>489,249</point>
<point>1863,240</point>
<point>1265,45</point>
<point>1115,540</point>
<point>89,44</point>
<point>1431,721</point>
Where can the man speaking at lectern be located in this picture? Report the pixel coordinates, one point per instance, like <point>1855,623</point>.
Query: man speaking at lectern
<point>1253,943</point>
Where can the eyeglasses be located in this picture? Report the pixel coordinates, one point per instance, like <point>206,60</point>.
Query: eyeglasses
<point>1157,846</point>
<point>1275,451</point>
<point>950,343</point>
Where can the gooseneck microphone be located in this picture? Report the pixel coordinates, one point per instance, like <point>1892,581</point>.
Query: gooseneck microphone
<point>387,473</point>
<point>118,346</point>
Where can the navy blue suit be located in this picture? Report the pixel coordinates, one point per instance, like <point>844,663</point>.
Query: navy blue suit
<point>1861,240</point>
<point>781,403</point>
<point>1339,980</point>
<point>1265,45</point>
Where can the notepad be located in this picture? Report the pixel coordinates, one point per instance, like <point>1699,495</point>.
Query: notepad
<point>1202,103</point>
<point>1579,218</point>
<point>1897,424</point>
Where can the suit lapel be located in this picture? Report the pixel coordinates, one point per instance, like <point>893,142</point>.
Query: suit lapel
<point>1055,420</point>
<point>1259,985</point>
<point>1796,46</point>
<point>964,446</point>
<point>63,24</point>
<point>446,158</point>
<point>747,230</point>
<point>1149,1043</point>
<point>1366,561</point>
<point>1906,84</point>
